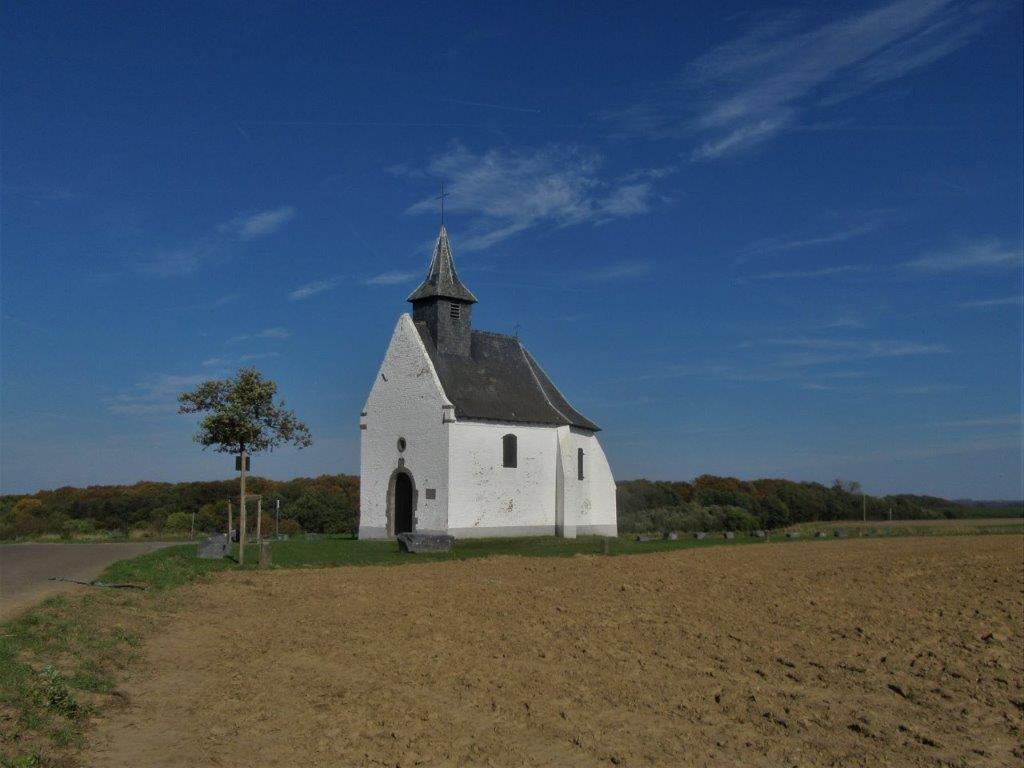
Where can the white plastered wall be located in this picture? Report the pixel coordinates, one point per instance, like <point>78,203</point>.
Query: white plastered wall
<point>489,499</point>
<point>586,506</point>
<point>406,401</point>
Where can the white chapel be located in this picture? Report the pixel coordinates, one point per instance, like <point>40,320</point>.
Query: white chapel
<point>463,432</point>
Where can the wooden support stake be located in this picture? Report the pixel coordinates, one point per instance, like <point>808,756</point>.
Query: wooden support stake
<point>242,521</point>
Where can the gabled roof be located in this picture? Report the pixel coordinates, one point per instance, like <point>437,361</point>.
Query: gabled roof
<point>442,279</point>
<point>500,381</point>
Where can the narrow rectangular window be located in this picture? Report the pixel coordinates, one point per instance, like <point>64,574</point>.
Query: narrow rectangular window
<point>455,310</point>
<point>579,463</point>
<point>508,451</point>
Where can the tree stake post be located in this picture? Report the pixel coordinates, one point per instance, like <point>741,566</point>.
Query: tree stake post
<point>242,520</point>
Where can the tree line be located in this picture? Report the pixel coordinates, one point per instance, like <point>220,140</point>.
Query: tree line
<point>330,504</point>
<point>713,503</point>
<point>325,504</point>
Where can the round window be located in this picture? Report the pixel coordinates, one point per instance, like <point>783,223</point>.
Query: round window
<point>401,444</point>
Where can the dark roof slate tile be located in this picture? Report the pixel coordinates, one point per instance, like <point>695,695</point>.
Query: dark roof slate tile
<point>500,381</point>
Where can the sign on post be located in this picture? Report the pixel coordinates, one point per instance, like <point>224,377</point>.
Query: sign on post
<point>238,464</point>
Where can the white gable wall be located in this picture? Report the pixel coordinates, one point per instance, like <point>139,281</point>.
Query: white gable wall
<point>489,499</point>
<point>406,401</point>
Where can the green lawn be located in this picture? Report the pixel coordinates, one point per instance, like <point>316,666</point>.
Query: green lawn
<point>176,565</point>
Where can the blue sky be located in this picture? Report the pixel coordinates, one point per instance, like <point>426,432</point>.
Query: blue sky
<point>745,239</point>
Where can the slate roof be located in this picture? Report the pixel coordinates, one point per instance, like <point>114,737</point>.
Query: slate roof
<point>442,279</point>
<point>500,381</point>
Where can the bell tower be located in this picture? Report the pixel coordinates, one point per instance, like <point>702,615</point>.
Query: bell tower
<point>443,303</point>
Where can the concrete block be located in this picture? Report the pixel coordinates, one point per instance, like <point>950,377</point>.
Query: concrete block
<point>671,536</point>
<point>213,548</point>
<point>700,535</point>
<point>425,542</point>
<point>729,535</point>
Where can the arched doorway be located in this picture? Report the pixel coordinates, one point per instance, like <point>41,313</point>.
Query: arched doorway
<point>403,503</point>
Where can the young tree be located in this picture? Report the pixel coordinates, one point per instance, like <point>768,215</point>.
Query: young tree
<point>242,418</point>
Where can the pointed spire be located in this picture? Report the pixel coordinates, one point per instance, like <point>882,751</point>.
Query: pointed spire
<point>442,279</point>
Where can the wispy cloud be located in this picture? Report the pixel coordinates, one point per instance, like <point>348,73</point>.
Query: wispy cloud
<point>186,259</point>
<point>980,255</point>
<point>1013,420</point>
<point>1002,301</point>
<point>845,320</point>
<point>799,274</point>
<point>810,351</point>
<point>984,444</point>
<point>841,235</point>
<point>206,306</point>
<point>252,226</point>
<point>157,395</point>
<point>220,362</point>
<point>274,334</point>
<point>927,389</point>
<point>392,278</point>
<point>622,271</point>
<point>313,288</point>
<point>789,65</point>
<point>490,105</point>
<point>505,192</point>
<point>180,261</point>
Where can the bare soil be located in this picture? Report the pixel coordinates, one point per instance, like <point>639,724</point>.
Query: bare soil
<point>902,652</point>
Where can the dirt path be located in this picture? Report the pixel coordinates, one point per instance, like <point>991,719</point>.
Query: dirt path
<point>899,652</point>
<point>25,569</point>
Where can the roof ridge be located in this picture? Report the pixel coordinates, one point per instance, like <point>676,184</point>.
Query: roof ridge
<point>529,364</point>
<point>535,365</point>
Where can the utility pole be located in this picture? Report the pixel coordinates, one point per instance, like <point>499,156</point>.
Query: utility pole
<point>242,521</point>
<point>864,505</point>
<point>229,525</point>
<point>277,522</point>
<point>192,530</point>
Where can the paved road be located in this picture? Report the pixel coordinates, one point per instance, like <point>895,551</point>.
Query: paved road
<point>25,569</point>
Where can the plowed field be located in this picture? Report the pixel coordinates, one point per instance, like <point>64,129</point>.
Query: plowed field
<point>900,652</point>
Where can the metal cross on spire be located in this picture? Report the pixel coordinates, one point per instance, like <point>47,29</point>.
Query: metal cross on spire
<point>441,197</point>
